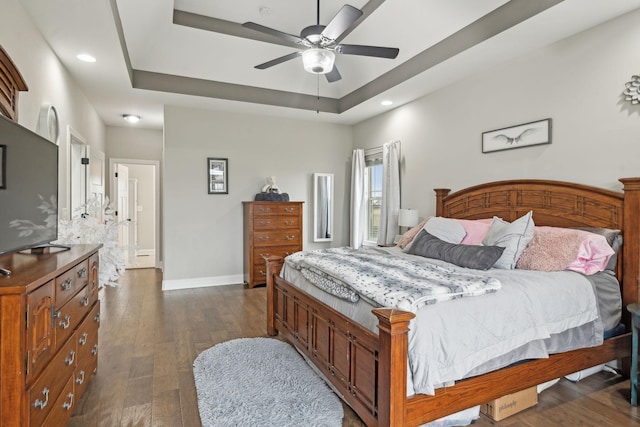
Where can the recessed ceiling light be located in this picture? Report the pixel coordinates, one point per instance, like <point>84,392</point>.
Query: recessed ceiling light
<point>386,102</point>
<point>131,118</point>
<point>85,57</point>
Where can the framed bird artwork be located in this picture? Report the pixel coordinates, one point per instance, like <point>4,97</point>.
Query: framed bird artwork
<point>524,135</point>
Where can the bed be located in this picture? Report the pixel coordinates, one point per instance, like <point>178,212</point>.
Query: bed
<point>369,370</point>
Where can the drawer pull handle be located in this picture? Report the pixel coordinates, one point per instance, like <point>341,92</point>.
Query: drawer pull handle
<point>66,285</point>
<point>96,318</point>
<point>69,404</point>
<point>264,238</point>
<point>84,301</point>
<point>288,209</point>
<point>262,273</point>
<point>83,339</point>
<point>264,254</point>
<point>265,222</point>
<point>289,237</point>
<point>69,360</point>
<point>66,322</point>
<point>94,350</point>
<point>80,379</point>
<point>265,209</point>
<point>288,223</point>
<point>41,404</point>
<point>82,272</point>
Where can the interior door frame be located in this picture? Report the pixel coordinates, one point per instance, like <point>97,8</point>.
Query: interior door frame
<point>156,164</point>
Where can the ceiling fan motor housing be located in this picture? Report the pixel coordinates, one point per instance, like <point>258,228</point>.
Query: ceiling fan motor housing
<point>313,34</point>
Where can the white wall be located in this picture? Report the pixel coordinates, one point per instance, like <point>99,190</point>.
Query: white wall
<point>203,232</point>
<point>576,82</point>
<point>49,83</point>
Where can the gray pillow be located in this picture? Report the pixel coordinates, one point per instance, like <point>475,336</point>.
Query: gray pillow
<point>514,237</point>
<point>446,229</point>
<point>468,256</point>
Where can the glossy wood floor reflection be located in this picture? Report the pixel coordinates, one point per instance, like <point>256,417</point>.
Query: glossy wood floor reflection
<point>149,339</point>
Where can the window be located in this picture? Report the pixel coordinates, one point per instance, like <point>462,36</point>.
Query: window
<point>373,194</point>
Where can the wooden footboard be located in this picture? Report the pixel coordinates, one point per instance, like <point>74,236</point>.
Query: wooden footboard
<point>369,370</point>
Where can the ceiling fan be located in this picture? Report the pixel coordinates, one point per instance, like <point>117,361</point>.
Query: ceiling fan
<point>320,42</point>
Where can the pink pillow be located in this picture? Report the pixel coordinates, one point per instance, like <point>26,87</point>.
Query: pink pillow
<point>476,229</point>
<point>557,249</point>
<point>593,255</point>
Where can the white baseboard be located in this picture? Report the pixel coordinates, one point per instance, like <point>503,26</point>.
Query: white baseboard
<point>201,282</point>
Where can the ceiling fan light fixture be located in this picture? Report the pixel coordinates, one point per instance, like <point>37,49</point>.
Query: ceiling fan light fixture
<point>318,61</point>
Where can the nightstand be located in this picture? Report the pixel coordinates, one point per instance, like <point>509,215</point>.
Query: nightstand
<point>634,309</point>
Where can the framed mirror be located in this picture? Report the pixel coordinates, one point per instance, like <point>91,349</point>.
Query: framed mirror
<point>322,207</point>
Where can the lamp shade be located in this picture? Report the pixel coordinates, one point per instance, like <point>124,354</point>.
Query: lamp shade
<point>407,217</point>
<point>318,61</point>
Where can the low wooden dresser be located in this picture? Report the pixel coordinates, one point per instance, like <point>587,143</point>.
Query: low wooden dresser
<point>49,318</point>
<point>270,229</point>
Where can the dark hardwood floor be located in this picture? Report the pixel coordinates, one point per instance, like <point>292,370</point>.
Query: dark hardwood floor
<point>149,339</point>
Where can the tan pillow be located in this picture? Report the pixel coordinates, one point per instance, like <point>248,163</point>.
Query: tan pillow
<point>411,234</point>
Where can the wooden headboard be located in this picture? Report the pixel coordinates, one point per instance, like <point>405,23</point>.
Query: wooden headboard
<point>559,204</point>
<point>11,83</point>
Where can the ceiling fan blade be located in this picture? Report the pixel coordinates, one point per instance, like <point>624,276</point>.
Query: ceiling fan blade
<point>275,33</point>
<point>340,23</point>
<point>278,61</point>
<point>377,51</point>
<point>333,75</point>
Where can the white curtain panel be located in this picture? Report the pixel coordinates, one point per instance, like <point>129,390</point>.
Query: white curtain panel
<point>390,193</point>
<point>358,206</point>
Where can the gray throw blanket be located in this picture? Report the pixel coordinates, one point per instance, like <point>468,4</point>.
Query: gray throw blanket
<point>388,280</point>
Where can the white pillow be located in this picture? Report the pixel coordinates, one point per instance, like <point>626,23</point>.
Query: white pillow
<point>514,237</point>
<point>446,229</point>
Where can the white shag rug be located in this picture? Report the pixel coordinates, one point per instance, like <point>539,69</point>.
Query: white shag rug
<point>261,382</point>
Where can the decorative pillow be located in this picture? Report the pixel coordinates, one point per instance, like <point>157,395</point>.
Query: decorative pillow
<point>447,229</point>
<point>614,239</point>
<point>557,249</point>
<point>514,237</point>
<point>468,256</point>
<point>411,234</point>
<point>593,255</point>
<point>551,249</point>
<point>476,230</point>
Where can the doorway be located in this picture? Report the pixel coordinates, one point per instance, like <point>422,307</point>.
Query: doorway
<point>135,193</point>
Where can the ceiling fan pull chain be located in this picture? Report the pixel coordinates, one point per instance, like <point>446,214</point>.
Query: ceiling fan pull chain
<point>318,91</point>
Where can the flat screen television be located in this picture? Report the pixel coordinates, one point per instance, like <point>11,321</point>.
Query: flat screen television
<point>28,188</point>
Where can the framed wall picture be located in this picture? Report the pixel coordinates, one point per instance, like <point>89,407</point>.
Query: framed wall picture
<point>3,166</point>
<point>524,135</point>
<point>218,175</point>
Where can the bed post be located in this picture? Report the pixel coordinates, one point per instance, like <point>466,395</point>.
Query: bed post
<point>274,265</point>
<point>441,193</point>
<point>392,382</point>
<point>631,246</point>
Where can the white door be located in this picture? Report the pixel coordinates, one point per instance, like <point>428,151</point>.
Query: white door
<point>122,207</point>
<point>96,175</point>
<point>78,178</point>
<point>133,215</point>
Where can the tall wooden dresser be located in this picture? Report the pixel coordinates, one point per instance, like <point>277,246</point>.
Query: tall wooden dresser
<point>270,228</point>
<point>49,318</point>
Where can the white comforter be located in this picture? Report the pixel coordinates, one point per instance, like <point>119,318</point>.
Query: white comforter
<point>451,340</point>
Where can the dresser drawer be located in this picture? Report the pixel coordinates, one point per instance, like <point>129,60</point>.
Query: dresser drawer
<point>276,238</point>
<point>87,363</point>
<point>63,407</point>
<point>293,209</point>
<point>286,222</point>
<point>87,332</point>
<point>262,209</point>
<point>281,251</point>
<point>46,389</point>
<point>67,284</point>
<point>265,223</point>
<point>69,316</point>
